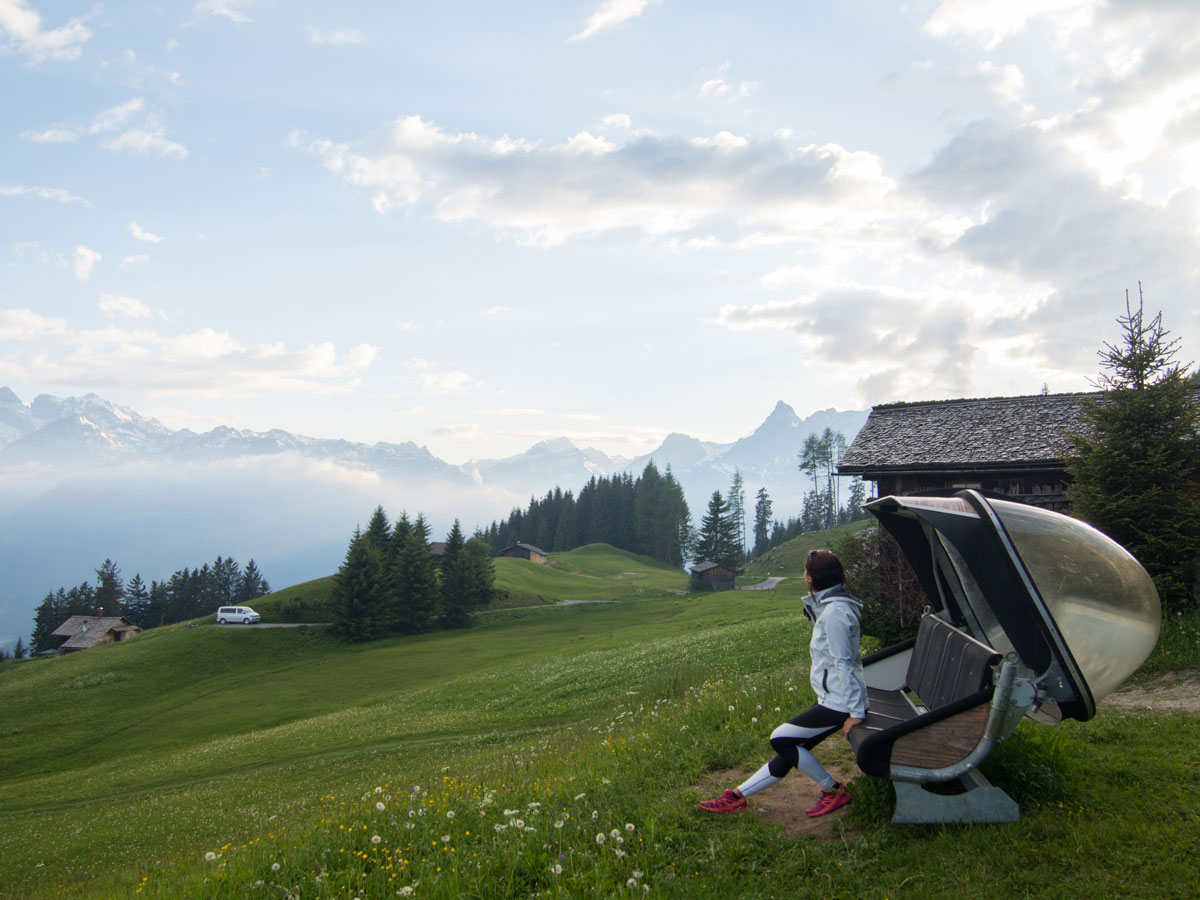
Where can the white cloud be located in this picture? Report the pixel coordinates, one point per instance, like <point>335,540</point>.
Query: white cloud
<point>544,195</point>
<point>617,120</point>
<point>22,28</point>
<point>610,13</point>
<point>116,116</point>
<point>124,306</point>
<point>141,234</point>
<point>336,38</point>
<point>130,262</point>
<point>50,136</point>
<point>497,311</point>
<point>233,10</point>
<point>720,89</point>
<point>149,139</point>
<point>990,22</point>
<point>56,194</point>
<point>85,259</point>
<point>203,362</point>
<point>452,382</point>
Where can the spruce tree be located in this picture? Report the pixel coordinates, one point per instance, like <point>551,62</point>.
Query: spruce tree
<point>762,521</point>
<point>137,601</point>
<point>357,594</point>
<point>480,574</point>
<point>457,600</point>
<point>1136,468</point>
<point>109,589</point>
<point>379,531</point>
<point>414,582</point>
<point>20,651</point>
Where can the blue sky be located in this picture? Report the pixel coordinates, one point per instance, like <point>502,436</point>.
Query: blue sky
<point>479,225</point>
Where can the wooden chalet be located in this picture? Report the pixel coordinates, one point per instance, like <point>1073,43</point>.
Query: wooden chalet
<point>437,550</point>
<point>84,632</point>
<point>525,551</point>
<point>1008,445</point>
<point>711,576</point>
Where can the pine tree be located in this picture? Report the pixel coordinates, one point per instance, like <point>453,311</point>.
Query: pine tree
<point>414,582</point>
<point>717,541</point>
<point>457,601</point>
<point>251,585</point>
<point>20,651</point>
<point>1136,471</point>
<point>109,589</point>
<point>357,593</point>
<point>737,512</point>
<point>480,574</point>
<point>379,531</point>
<point>137,601</point>
<point>762,522</point>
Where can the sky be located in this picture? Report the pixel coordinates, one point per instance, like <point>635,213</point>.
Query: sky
<point>480,225</point>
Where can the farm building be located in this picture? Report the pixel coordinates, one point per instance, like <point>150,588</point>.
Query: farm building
<point>525,551</point>
<point>711,576</point>
<point>1007,445</point>
<point>84,632</point>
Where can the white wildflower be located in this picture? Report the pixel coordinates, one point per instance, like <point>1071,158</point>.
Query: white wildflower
<point>274,867</point>
<point>600,837</point>
<point>629,827</point>
<point>209,856</point>
<point>375,839</point>
<point>379,806</point>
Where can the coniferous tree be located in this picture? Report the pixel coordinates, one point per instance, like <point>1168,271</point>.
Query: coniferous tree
<point>109,589</point>
<point>379,531</point>
<point>737,511</point>
<point>762,522</point>
<point>480,574</point>
<point>357,594</point>
<point>457,599</point>
<point>1136,471</point>
<point>20,651</point>
<point>414,582</point>
<point>137,601</point>
<point>251,585</point>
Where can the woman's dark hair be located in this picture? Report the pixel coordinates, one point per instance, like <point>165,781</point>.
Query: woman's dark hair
<point>824,568</point>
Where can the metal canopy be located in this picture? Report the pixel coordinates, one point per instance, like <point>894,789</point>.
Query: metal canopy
<point>1079,611</point>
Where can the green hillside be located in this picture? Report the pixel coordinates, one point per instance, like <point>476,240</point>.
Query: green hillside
<point>122,767</point>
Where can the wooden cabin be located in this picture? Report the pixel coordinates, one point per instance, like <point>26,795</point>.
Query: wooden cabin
<point>85,632</point>
<point>525,551</point>
<point>711,576</point>
<point>1016,446</point>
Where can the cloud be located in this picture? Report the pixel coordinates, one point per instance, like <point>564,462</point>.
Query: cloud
<point>497,311</point>
<point>547,194</point>
<point>22,29</point>
<point>149,139</point>
<point>991,22</point>
<point>116,116</point>
<point>617,120</point>
<point>124,306</point>
<point>56,194</point>
<point>50,135</point>
<point>85,259</point>
<point>336,38</point>
<point>233,10</point>
<point>205,362</point>
<point>610,13</point>
<point>452,382</point>
<point>142,235</point>
<point>720,89</point>
<point>139,259</point>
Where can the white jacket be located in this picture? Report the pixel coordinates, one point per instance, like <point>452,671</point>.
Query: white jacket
<point>836,673</point>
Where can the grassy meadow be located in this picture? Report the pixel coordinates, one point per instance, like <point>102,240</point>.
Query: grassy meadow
<point>547,751</point>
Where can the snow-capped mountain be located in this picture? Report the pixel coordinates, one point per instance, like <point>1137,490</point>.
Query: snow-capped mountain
<point>82,479</point>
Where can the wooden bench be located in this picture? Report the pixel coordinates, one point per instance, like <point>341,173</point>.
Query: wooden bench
<point>937,705</point>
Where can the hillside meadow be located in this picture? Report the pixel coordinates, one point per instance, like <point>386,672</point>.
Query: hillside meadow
<point>547,751</point>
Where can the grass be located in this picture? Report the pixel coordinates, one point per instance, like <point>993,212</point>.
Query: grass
<point>122,768</point>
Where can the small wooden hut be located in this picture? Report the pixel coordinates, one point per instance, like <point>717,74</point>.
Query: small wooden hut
<point>84,632</point>
<point>525,551</point>
<point>711,576</point>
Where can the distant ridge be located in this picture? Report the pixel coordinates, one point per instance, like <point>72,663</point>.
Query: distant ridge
<point>82,480</point>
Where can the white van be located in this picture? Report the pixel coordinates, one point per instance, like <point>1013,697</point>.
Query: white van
<point>243,614</point>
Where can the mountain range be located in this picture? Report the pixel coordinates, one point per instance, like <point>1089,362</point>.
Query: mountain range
<point>83,479</point>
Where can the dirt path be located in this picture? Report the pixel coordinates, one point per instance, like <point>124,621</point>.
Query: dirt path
<point>1174,691</point>
<point>762,585</point>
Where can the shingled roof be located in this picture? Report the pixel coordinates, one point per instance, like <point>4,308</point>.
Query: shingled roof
<point>994,432</point>
<point>82,632</point>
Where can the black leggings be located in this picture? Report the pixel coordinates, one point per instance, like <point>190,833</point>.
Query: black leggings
<point>805,731</point>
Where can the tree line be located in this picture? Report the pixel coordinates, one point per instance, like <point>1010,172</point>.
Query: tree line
<point>391,582</point>
<point>648,515</point>
<point>187,594</point>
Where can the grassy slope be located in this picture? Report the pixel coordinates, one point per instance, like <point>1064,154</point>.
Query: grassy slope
<point>142,756</point>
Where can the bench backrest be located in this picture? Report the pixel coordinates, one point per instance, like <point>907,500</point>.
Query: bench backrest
<point>948,664</point>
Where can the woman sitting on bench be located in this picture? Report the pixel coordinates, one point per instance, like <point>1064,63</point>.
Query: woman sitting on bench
<point>836,675</point>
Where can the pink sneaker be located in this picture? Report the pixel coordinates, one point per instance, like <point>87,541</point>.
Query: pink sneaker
<point>729,802</point>
<point>830,800</point>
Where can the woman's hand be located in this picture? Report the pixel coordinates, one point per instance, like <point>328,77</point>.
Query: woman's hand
<point>848,724</point>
